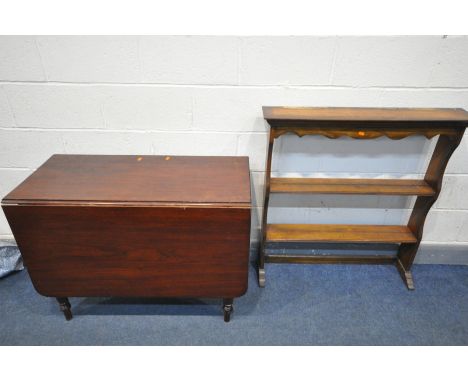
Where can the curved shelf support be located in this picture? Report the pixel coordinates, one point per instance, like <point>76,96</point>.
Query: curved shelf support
<point>444,149</point>
<point>261,257</point>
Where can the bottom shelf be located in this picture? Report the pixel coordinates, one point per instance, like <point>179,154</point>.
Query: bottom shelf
<point>339,233</point>
<point>330,259</point>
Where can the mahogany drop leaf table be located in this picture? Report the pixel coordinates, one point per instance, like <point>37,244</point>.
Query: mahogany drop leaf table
<point>135,226</point>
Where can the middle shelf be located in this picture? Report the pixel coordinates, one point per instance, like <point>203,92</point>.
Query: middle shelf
<point>351,186</point>
<point>339,233</point>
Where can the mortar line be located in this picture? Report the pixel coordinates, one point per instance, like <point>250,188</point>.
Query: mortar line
<point>236,86</point>
<point>9,107</point>
<point>41,59</point>
<point>332,68</point>
<point>84,129</point>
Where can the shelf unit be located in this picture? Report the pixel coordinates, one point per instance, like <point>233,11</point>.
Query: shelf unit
<point>359,123</point>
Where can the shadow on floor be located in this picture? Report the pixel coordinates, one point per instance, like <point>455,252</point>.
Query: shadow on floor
<point>147,306</point>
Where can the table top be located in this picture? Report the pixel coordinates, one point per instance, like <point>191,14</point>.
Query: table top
<point>274,113</point>
<point>136,180</point>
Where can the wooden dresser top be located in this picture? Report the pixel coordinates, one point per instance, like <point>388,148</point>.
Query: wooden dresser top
<point>136,180</point>
<point>365,114</point>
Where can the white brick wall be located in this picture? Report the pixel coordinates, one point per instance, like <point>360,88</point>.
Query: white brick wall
<point>203,96</point>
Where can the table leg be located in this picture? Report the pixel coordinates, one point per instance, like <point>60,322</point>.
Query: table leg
<point>65,307</point>
<point>227,308</point>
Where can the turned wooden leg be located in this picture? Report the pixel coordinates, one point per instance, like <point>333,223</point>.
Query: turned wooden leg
<point>227,308</point>
<point>65,307</point>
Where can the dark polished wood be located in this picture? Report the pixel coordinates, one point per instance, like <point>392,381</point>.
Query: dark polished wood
<point>137,179</point>
<point>360,123</point>
<point>133,251</point>
<point>86,231</point>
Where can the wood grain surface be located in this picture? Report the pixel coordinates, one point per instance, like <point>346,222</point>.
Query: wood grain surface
<point>336,233</point>
<point>133,251</point>
<point>365,114</point>
<point>127,179</point>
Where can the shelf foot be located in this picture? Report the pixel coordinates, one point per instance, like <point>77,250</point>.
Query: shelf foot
<point>65,307</point>
<point>227,308</point>
<point>261,277</point>
<point>406,275</point>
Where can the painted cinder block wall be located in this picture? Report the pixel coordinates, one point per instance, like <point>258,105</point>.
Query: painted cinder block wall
<point>197,95</point>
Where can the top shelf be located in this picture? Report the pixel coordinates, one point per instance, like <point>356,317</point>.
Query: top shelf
<point>365,123</point>
<point>359,114</point>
